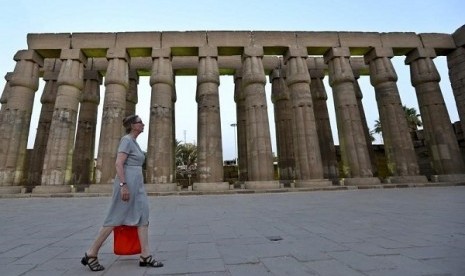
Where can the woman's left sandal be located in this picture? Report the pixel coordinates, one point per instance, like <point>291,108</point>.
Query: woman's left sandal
<point>149,261</point>
<point>92,262</point>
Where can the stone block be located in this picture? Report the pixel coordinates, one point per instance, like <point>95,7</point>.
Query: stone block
<point>253,51</point>
<point>229,38</point>
<point>120,53</point>
<point>459,36</point>
<point>336,52</point>
<point>317,42</point>
<point>295,52</point>
<point>165,187</point>
<point>161,52</point>
<point>378,52</point>
<point>262,185</point>
<point>52,64</point>
<point>442,43</point>
<point>208,51</point>
<point>216,186</point>
<point>93,40</point>
<point>420,53</point>
<point>49,41</point>
<point>74,54</point>
<point>138,40</point>
<point>274,43</point>
<point>29,55</point>
<point>400,42</point>
<point>183,39</point>
<point>359,42</point>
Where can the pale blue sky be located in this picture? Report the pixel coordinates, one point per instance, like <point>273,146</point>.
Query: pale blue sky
<point>21,17</point>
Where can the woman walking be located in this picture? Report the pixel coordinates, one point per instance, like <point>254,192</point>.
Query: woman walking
<point>129,203</point>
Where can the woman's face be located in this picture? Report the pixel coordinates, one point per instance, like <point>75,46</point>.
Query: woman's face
<point>138,125</point>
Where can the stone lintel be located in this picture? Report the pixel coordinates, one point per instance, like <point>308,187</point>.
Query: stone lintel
<point>74,54</point>
<point>138,39</point>
<point>420,53</point>
<point>293,52</point>
<point>49,41</point>
<point>183,39</point>
<point>120,53</point>
<point>401,43</point>
<point>208,51</point>
<point>407,179</point>
<point>437,41</point>
<point>459,36</point>
<point>317,43</point>
<point>230,39</point>
<point>255,185</point>
<point>359,42</point>
<point>215,186</point>
<point>360,181</point>
<point>29,55</point>
<point>336,52</point>
<point>253,51</point>
<point>93,40</point>
<point>313,183</point>
<point>378,52</point>
<point>276,41</point>
<point>161,53</point>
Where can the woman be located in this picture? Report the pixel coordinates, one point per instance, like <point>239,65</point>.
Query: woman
<point>129,205</point>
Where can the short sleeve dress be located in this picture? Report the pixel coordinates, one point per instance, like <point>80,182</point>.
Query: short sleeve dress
<point>136,210</point>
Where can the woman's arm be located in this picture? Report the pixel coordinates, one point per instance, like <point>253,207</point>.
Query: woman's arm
<point>120,159</point>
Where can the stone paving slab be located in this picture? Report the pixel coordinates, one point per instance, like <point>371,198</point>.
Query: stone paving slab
<point>371,232</point>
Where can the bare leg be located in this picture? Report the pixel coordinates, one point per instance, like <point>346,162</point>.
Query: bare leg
<point>143,232</point>
<point>103,234</point>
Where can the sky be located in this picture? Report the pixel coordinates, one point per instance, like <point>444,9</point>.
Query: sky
<point>21,17</point>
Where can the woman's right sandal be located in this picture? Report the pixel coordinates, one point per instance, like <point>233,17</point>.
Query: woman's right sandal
<point>149,261</point>
<point>92,262</point>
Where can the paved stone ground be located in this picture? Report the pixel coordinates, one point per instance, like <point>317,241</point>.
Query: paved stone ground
<point>411,231</point>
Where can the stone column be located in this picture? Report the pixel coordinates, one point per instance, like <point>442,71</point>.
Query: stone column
<point>283,122</point>
<point>160,151</point>
<point>114,111</point>
<point>57,171</point>
<point>308,164</point>
<point>17,117</point>
<point>131,96</point>
<point>241,121</point>
<point>456,64</point>
<point>84,149</point>
<point>356,163</point>
<point>36,162</point>
<point>209,145</point>
<point>366,130</point>
<point>259,156</point>
<point>440,138</point>
<point>325,135</point>
<point>398,146</point>
<point>4,124</point>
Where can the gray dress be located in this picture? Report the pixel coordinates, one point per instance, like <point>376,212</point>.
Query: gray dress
<point>136,210</point>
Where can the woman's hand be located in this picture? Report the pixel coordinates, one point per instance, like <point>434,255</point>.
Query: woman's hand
<point>124,193</point>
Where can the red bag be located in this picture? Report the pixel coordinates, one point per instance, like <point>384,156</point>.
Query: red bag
<point>126,240</point>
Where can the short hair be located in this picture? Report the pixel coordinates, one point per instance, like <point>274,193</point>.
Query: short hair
<point>128,121</point>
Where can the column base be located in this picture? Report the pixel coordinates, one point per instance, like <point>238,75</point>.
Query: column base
<point>309,183</point>
<point>161,187</point>
<point>12,190</point>
<point>52,189</point>
<point>448,178</point>
<point>272,184</point>
<point>360,181</point>
<point>99,188</point>
<point>407,179</point>
<point>213,186</point>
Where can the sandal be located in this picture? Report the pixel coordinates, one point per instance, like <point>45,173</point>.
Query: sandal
<point>92,262</point>
<point>149,261</point>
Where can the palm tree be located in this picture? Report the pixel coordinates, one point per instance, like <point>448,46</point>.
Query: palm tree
<point>186,157</point>
<point>413,121</point>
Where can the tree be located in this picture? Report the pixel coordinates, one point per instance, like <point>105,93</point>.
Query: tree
<point>413,121</point>
<point>186,158</point>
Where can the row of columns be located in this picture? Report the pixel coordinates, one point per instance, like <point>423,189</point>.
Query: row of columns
<point>306,150</point>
